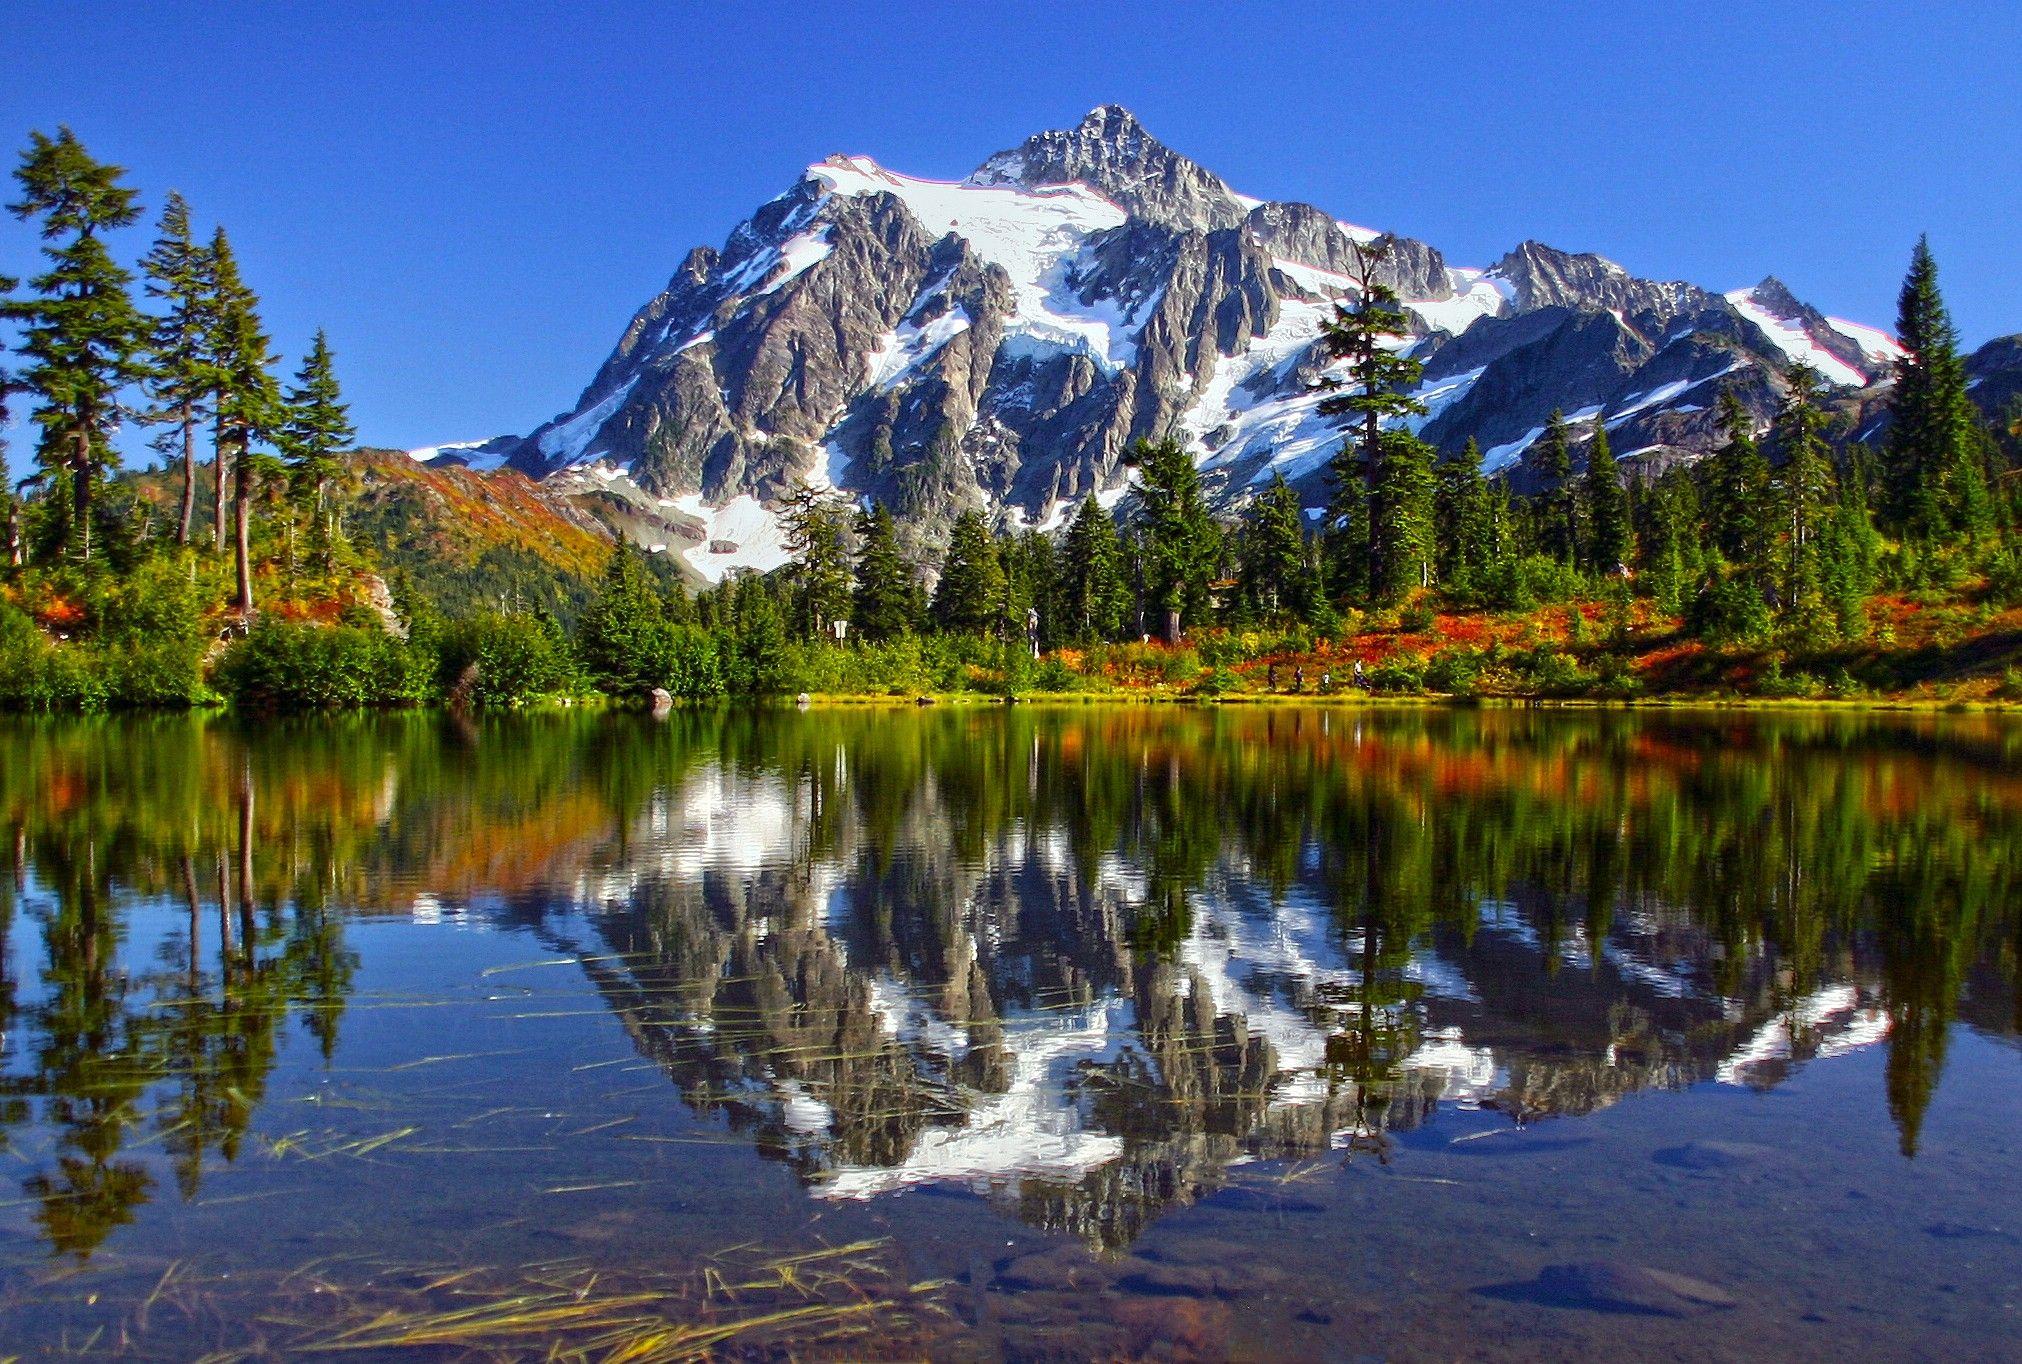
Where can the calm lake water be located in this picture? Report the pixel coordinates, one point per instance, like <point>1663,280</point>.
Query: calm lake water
<point>1013,1034</point>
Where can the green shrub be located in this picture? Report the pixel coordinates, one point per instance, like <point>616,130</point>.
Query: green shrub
<point>2004,577</point>
<point>37,674</point>
<point>1403,674</point>
<point>1457,672</point>
<point>513,658</point>
<point>288,666</point>
<point>1729,610</point>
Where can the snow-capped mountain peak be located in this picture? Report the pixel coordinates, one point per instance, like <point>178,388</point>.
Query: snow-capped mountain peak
<point>1001,340</point>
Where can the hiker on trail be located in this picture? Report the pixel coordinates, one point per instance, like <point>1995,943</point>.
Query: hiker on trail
<point>1299,678</point>
<point>1360,680</point>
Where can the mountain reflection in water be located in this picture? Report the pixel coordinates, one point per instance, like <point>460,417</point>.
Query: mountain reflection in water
<point>1082,961</point>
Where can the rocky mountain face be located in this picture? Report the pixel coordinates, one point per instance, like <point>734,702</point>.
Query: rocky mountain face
<point>1001,341</point>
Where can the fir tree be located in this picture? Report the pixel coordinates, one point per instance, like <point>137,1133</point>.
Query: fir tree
<point>82,336</point>
<point>1375,390</point>
<point>886,603</point>
<point>1558,529</point>
<point>1804,491</point>
<point>1738,513</point>
<point>1272,569</point>
<point>969,597</point>
<point>1344,544</point>
<point>1668,547</point>
<point>1400,517</point>
<point>1607,508</point>
<point>178,382</point>
<point>317,426</point>
<point>1930,458</point>
<point>817,536</point>
<point>618,635</point>
<point>1094,590</point>
<point>246,404</point>
<point>1182,543</point>
<point>1032,573</point>
<point>1463,517</point>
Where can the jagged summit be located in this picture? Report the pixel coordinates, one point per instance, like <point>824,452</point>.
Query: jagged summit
<point>1113,153</point>
<point>1000,342</point>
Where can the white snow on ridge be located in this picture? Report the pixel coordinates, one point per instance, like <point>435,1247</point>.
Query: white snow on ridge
<point>1877,345</point>
<point>910,344</point>
<point>1033,234</point>
<point>1795,342</point>
<point>480,463</point>
<point>568,442</point>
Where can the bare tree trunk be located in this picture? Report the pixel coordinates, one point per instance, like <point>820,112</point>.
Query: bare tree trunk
<point>242,530</point>
<point>15,552</point>
<point>220,467</point>
<point>80,487</point>
<point>189,508</point>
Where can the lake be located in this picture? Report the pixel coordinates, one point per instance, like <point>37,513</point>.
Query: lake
<point>1013,1034</point>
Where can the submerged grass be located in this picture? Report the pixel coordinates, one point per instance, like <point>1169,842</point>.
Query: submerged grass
<point>848,1299</point>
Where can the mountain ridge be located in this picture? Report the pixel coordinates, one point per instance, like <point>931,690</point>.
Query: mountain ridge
<point>999,341</point>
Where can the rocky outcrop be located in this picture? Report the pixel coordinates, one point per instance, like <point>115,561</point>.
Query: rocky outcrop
<point>1002,341</point>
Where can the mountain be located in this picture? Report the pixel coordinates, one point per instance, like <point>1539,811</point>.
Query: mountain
<point>1001,341</point>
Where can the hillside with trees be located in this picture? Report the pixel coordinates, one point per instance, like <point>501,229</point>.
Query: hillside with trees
<point>267,560</point>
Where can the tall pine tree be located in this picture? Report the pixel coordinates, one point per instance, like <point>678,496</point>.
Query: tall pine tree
<point>1095,598</point>
<point>82,336</point>
<point>1375,390</point>
<point>1558,507</point>
<point>886,602</point>
<point>246,406</point>
<point>1804,493</point>
<point>970,595</point>
<point>1931,457</point>
<point>1736,497</point>
<point>1463,518</point>
<point>178,383</point>
<point>1401,517</point>
<point>1182,543</point>
<point>817,536</point>
<point>316,428</point>
<point>1273,574</point>
<point>1607,508</point>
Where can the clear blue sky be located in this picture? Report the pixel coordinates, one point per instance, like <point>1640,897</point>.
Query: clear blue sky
<point>473,199</point>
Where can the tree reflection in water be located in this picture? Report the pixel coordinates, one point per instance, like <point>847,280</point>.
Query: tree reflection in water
<point>1083,960</point>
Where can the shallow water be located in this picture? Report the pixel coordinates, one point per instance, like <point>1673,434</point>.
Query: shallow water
<point>1013,1034</point>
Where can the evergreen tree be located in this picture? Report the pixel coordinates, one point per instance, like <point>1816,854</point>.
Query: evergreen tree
<point>1668,547</point>
<point>1182,543</point>
<point>1375,390</point>
<point>1272,570</point>
<point>1607,508</point>
<point>886,603</point>
<point>1400,517</point>
<point>1095,598</point>
<point>758,650</point>
<point>246,404</point>
<point>1931,463</point>
<point>1558,527</point>
<point>82,336</point>
<point>174,267</point>
<point>1463,518</point>
<point>970,595</point>
<point>1738,514</point>
<point>1032,573</point>
<point>317,426</point>
<point>1344,543</point>
<point>618,636</point>
<point>1804,491</point>
<point>817,536</point>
